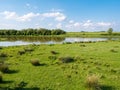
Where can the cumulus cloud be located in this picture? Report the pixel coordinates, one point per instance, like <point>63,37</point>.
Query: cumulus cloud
<point>56,15</point>
<point>88,24</point>
<point>104,24</point>
<point>28,17</point>
<point>59,25</point>
<point>71,21</point>
<point>9,15</point>
<point>27,4</point>
<point>73,24</point>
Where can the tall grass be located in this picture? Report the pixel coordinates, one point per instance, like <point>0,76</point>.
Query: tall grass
<point>92,82</point>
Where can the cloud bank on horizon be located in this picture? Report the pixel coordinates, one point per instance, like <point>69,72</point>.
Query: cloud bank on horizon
<point>82,15</point>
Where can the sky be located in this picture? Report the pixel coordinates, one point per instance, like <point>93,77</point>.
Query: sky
<point>69,15</point>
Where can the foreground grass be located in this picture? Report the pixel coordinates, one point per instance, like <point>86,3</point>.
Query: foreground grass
<point>100,58</point>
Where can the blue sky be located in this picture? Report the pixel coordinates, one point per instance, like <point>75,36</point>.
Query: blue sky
<point>69,15</point>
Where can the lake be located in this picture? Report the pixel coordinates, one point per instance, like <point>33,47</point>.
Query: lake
<point>15,41</point>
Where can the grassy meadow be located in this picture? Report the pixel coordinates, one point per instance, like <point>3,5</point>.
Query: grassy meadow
<point>61,66</point>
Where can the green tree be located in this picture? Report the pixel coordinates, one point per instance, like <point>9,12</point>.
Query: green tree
<point>110,31</point>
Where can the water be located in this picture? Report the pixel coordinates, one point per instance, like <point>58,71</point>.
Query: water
<point>47,40</point>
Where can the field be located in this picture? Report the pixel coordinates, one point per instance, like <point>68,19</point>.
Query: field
<point>54,72</point>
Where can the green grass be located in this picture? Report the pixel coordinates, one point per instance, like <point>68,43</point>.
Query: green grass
<point>98,58</point>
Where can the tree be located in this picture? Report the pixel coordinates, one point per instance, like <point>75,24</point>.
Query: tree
<point>110,30</point>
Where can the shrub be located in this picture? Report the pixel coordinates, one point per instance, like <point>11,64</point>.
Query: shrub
<point>21,52</point>
<point>54,52</point>
<point>67,43</point>
<point>28,49</point>
<point>1,79</point>
<point>0,47</point>
<point>3,55</point>
<point>52,57</point>
<point>92,82</point>
<point>66,59</point>
<point>113,50</point>
<point>83,45</point>
<point>35,62</point>
<point>4,68</point>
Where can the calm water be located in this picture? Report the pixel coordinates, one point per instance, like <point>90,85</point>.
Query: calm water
<point>58,40</point>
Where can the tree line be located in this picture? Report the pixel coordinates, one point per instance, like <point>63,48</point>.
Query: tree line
<point>30,31</point>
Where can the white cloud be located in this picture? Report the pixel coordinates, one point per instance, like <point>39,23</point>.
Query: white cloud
<point>56,10</point>
<point>28,17</point>
<point>88,24</point>
<point>57,15</point>
<point>9,15</point>
<point>55,21</point>
<point>28,5</point>
<point>59,25</point>
<point>77,24</point>
<point>50,24</point>
<point>73,24</point>
<point>71,21</point>
<point>104,24</point>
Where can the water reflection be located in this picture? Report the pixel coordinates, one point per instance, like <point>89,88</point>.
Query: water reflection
<point>13,41</point>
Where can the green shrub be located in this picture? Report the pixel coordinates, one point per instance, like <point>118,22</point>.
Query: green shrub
<point>54,52</point>
<point>113,50</point>
<point>1,79</point>
<point>0,47</point>
<point>3,54</point>
<point>28,49</point>
<point>35,62</point>
<point>66,59</point>
<point>21,52</point>
<point>52,57</point>
<point>92,82</point>
<point>4,68</point>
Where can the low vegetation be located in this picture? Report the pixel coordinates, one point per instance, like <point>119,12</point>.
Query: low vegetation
<point>66,59</point>
<point>4,68</point>
<point>30,31</point>
<point>35,62</point>
<point>92,82</point>
<point>1,78</point>
<point>75,66</point>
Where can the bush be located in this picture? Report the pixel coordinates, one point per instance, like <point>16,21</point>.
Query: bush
<point>28,49</point>
<point>0,47</point>
<point>35,62</point>
<point>52,57</point>
<point>92,82</point>
<point>113,50</point>
<point>1,79</point>
<point>54,52</point>
<point>4,68</point>
<point>66,59</point>
<point>3,55</point>
<point>21,52</point>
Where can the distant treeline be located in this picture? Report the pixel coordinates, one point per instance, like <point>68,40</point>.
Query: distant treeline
<point>30,31</point>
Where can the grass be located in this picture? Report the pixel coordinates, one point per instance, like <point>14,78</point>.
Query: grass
<point>1,78</point>
<point>35,62</point>
<point>92,58</point>
<point>92,82</point>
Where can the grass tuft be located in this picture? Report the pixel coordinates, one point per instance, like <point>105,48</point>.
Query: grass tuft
<point>52,57</point>
<point>21,52</point>
<point>66,59</point>
<point>54,52</point>
<point>1,78</point>
<point>3,54</point>
<point>4,68</point>
<point>92,82</point>
<point>35,62</point>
